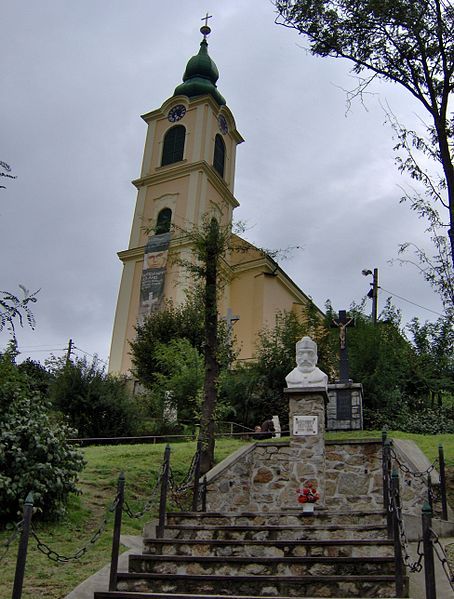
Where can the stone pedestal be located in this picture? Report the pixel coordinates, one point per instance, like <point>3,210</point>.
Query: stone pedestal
<point>307,430</point>
<point>345,406</point>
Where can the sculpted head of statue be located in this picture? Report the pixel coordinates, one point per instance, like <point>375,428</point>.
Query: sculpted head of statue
<point>306,373</point>
<point>306,354</point>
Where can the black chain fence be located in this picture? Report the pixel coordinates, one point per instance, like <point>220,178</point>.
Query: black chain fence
<point>4,547</point>
<point>441,555</point>
<point>64,559</point>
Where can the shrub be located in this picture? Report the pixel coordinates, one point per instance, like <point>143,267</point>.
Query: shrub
<point>34,453</point>
<point>96,404</point>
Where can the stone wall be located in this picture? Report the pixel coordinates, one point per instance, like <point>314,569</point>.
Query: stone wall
<point>264,477</point>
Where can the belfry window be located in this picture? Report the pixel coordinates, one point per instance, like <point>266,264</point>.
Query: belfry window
<point>219,155</point>
<point>164,220</point>
<point>173,145</point>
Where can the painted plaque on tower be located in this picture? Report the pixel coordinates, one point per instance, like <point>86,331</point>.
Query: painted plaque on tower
<point>153,274</point>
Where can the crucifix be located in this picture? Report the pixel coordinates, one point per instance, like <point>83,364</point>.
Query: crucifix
<point>230,319</point>
<point>342,323</point>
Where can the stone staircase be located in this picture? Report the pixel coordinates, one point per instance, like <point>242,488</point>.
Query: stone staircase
<point>254,555</point>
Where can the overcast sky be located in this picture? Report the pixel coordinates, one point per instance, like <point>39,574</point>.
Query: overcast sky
<point>76,76</point>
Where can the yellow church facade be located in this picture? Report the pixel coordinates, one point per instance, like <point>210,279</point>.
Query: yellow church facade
<point>187,177</point>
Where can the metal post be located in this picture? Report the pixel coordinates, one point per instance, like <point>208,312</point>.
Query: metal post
<point>204,494</point>
<point>23,546</point>
<point>375,297</point>
<point>386,485</point>
<point>400,573</point>
<point>444,500</point>
<point>163,498</point>
<point>195,493</point>
<point>429,567</point>
<point>116,533</point>
<point>429,491</point>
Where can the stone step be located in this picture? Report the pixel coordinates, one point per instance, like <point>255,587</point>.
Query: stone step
<point>267,586</point>
<point>285,548</point>
<point>274,532</point>
<point>264,566</point>
<point>133,595</point>
<point>289,517</point>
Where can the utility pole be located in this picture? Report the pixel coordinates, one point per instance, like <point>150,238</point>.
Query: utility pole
<point>375,297</point>
<point>373,293</point>
<point>69,352</point>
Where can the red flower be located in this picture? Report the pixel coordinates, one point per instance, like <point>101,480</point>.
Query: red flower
<point>308,494</point>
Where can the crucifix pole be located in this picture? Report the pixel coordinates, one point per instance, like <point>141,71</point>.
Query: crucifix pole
<point>342,323</point>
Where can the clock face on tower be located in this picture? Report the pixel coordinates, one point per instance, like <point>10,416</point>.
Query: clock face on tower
<point>176,113</point>
<point>223,124</point>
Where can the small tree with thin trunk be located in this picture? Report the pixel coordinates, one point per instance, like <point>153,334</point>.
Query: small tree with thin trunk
<point>408,42</point>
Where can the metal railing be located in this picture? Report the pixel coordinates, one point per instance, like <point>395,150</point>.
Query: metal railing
<point>396,529</point>
<point>118,506</point>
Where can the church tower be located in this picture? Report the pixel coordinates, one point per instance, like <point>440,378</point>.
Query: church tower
<point>187,175</point>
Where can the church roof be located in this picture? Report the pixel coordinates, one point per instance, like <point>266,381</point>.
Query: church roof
<point>200,76</point>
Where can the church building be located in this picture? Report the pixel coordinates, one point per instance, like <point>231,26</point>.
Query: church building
<point>187,177</point>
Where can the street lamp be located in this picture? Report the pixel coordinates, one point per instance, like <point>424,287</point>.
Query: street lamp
<point>373,293</point>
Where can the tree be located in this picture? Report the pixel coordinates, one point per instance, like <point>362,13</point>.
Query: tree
<point>96,404</point>
<point>179,380</point>
<point>15,309</point>
<point>434,346</point>
<point>5,171</point>
<point>210,244</point>
<point>184,321</point>
<point>408,42</point>
<point>34,451</point>
<point>436,268</point>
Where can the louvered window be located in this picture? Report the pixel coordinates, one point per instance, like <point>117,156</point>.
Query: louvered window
<point>219,155</point>
<point>173,145</point>
<point>164,220</point>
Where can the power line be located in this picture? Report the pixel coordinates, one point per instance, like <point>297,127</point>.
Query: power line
<point>410,302</point>
<point>91,355</point>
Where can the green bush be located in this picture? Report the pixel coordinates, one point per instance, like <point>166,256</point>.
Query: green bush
<point>96,404</point>
<point>422,421</point>
<point>34,452</point>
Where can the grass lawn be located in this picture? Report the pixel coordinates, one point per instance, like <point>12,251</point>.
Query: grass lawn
<point>141,464</point>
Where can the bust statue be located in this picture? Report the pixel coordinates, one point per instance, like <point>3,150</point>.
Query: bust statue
<point>306,373</point>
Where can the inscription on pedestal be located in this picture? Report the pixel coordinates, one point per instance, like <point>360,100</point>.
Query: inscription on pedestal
<point>305,425</point>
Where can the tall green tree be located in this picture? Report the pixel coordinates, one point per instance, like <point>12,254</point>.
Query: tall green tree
<point>408,42</point>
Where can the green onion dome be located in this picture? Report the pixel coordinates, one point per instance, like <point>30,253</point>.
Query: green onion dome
<point>200,77</point>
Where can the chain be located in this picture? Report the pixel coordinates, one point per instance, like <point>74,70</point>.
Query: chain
<point>441,554</point>
<point>7,544</point>
<point>414,566</point>
<point>404,468</point>
<point>186,483</point>
<point>435,494</point>
<point>64,559</point>
<point>175,491</point>
<point>148,504</point>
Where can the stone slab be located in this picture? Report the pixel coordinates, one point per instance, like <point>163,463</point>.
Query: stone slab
<point>100,580</point>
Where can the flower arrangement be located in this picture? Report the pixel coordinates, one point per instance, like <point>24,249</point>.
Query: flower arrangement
<point>308,494</point>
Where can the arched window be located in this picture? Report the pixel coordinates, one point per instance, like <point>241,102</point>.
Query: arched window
<point>219,155</point>
<point>164,220</point>
<point>173,145</point>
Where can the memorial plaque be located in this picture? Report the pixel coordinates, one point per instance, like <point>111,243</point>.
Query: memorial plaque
<point>344,404</point>
<point>305,425</point>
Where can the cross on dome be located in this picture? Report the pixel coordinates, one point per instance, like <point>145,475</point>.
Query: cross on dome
<point>205,30</point>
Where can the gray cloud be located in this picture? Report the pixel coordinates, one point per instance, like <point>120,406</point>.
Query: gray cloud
<point>76,78</point>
